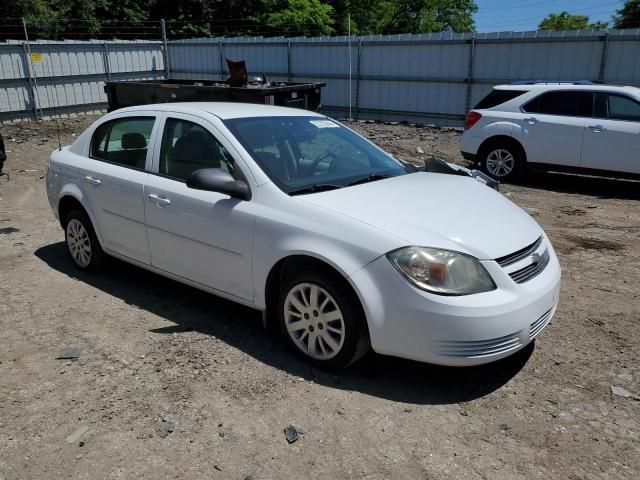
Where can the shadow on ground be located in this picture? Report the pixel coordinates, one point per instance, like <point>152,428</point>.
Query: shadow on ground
<point>190,309</point>
<point>583,185</point>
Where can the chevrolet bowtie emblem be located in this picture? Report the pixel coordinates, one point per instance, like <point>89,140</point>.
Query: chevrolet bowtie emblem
<point>535,258</point>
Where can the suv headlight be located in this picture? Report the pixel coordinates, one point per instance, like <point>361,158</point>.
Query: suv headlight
<point>442,271</point>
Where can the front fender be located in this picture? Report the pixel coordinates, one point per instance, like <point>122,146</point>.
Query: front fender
<point>341,258</point>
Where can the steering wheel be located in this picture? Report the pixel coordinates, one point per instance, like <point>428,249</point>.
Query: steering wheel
<point>311,168</point>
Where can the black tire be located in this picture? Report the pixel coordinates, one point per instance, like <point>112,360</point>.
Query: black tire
<point>492,150</point>
<point>96,254</point>
<point>356,341</point>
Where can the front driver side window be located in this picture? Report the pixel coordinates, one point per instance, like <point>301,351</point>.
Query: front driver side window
<point>187,147</point>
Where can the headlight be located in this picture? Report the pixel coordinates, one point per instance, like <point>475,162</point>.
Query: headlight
<point>442,271</point>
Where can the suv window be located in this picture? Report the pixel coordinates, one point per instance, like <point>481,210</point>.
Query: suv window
<point>568,103</point>
<point>498,97</point>
<point>616,107</point>
<point>123,141</point>
<point>187,147</point>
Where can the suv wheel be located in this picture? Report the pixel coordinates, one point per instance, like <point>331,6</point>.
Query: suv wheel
<point>502,162</point>
<point>82,242</point>
<point>322,319</point>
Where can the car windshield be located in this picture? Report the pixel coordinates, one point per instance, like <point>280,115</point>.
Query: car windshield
<point>310,154</point>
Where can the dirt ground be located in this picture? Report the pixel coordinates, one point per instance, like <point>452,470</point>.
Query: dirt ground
<point>152,349</point>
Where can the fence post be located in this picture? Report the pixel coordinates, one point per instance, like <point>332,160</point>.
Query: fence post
<point>105,61</point>
<point>472,54</point>
<point>603,58</point>
<point>166,49</point>
<point>289,60</point>
<point>358,64</point>
<point>221,59</point>
<point>29,78</point>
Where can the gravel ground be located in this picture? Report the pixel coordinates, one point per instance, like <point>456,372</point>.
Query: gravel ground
<point>154,350</point>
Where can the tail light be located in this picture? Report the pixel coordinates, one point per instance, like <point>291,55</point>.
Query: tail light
<point>472,119</point>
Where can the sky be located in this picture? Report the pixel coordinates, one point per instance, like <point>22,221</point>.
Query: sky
<point>523,15</point>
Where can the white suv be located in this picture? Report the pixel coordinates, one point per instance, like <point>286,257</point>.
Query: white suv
<point>579,127</point>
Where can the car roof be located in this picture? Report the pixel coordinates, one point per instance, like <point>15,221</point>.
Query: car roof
<point>561,86</point>
<point>224,110</point>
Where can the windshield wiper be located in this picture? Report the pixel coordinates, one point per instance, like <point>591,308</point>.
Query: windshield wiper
<point>369,178</point>
<point>319,187</point>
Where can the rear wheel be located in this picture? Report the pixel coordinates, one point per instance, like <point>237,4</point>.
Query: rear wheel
<point>322,318</point>
<point>502,161</point>
<point>82,242</point>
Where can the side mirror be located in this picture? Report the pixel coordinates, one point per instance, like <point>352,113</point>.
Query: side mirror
<point>218,180</point>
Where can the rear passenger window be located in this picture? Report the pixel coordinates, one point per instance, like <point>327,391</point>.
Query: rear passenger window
<point>617,107</point>
<point>567,103</point>
<point>187,147</point>
<point>498,97</point>
<point>124,141</point>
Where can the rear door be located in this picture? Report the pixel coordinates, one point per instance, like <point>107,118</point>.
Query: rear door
<point>612,137</point>
<point>552,126</point>
<point>113,178</point>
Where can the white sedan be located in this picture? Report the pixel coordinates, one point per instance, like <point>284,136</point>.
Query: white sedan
<point>291,213</point>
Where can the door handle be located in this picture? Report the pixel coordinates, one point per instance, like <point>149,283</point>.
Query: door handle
<point>92,181</point>
<point>596,128</point>
<point>531,120</point>
<point>159,200</point>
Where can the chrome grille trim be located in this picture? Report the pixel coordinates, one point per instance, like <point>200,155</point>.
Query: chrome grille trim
<point>519,255</point>
<point>478,348</point>
<point>537,326</point>
<point>527,273</point>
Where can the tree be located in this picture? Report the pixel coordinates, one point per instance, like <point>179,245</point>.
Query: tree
<point>186,18</point>
<point>51,18</point>
<point>300,17</point>
<point>354,15</point>
<point>423,16</point>
<point>566,21</point>
<point>628,16</point>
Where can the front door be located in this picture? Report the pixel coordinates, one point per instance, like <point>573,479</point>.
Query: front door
<point>206,237</point>
<point>612,137</point>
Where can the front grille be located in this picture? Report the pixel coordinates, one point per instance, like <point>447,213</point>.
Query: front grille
<point>527,273</point>
<point>537,326</point>
<point>519,255</point>
<point>478,348</point>
<point>538,262</point>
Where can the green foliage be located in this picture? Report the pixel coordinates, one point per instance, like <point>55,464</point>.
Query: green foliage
<point>422,16</point>
<point>50,18</point>
<point>297,17</point>
<point>132,18</point>
<point>566,21</point>
<point>628,16</point>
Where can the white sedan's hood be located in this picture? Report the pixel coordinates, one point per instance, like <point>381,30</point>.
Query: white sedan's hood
<point>437,210</point>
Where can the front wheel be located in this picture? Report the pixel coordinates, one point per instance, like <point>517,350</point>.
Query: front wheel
<point>322,319</point>
<point>502,162</point>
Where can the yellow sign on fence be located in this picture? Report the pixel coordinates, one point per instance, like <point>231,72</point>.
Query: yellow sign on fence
<point>36,57</point>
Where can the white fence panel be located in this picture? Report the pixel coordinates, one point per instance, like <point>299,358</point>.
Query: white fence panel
<point>429,77</point>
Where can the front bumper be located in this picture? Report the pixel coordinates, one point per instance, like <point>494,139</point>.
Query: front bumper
<point>407,322</point>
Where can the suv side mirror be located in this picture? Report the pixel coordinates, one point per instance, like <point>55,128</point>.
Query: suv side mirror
<point>218,180</point>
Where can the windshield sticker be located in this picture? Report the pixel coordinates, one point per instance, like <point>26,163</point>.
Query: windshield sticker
<point>324,123</point>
